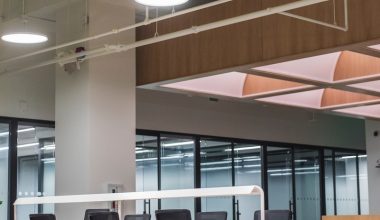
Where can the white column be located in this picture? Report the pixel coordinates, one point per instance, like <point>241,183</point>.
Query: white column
<point>95,108</point>
<point>373,152</point>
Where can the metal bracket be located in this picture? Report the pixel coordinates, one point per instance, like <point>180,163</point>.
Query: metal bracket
<point>334,26</point>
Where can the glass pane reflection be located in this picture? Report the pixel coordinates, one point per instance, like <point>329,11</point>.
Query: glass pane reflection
<point>146,170</point>
<point>216,171</point>
<point>177,169</point>
<point>346,184</point>
<point>247,172</point>
<point>4,150</point>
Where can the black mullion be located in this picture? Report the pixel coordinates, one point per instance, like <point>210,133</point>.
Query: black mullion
<point>358,183</point>
<point>233,179</point>
<point>322,186</point>
<point>12,160</point>
<point>264,174</point>
<point>159,167</point>
<point>294,185</point>
<point>197,172</point>
<point>40,174</point>
<point>334,182</point>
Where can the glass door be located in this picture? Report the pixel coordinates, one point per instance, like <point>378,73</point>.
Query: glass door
<point>146,171</point>
<point>177,169</point>
<point>216,171</point>
<point>307,184</point>
<point>346,183</point>
<point>247,159</point>
<point>35,167</point>
<point>280,182</point>
<point>4,151</point>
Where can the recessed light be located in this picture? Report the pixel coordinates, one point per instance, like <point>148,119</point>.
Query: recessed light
<point>24,38</point>
<point>161,3</point>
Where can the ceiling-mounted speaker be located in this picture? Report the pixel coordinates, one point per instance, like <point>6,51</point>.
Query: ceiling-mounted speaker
<point>75,66</point>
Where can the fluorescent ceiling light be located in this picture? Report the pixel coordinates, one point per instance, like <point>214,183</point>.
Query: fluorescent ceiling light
<point>348,157</point>
<point>4,134</point>
<point>218,168</point>
<point>161,3</point>
<point>178,144</point>
<point>27,145</point>
<point>244,148</point>
<point>216,163</point>
<point>48,160</point>
<point>297,173</point>
<point>48,147</point>
<point>300,161</point>
<point>26,130</point>
<point>4,148</point>
<point>24,38</point>
<point>143,151</point>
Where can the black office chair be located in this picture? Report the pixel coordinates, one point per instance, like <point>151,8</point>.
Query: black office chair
<point>137,217</point>
<point>42,217</point>
<point>211,216</point>
<point>274,215</point>
<point>104,216</point>
<point>92,211</point>
<point>173,214</point>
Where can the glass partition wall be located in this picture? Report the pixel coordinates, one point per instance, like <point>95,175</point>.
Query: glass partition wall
<point>309,181</point>
<point>27,164</point>
<point>4,154</point>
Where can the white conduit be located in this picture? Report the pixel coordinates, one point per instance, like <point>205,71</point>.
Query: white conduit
<point>109,49</point>
<point>344,28</point>
<point>117,31</point>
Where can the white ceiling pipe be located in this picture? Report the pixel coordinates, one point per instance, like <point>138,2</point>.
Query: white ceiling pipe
<point>210,26</point>
<point>117,31</point>
<point>194,30</point>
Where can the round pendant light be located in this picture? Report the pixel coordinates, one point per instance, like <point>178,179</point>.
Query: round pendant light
<point>24,38</point>
<point>161,3</point>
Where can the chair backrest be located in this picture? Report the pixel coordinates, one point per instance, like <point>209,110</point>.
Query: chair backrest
<point>211,216</point>
<point>42,217</point>
<point>92,211</point>
<point>137,217</point>
<point>104,216</point>
<point>274,215</point>
<point>173,214</point>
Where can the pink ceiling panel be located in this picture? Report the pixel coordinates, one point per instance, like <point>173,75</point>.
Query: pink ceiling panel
<point>320,68</point>
<point>226,84</point>
<point>368,111</point>
<point>309,99</point>
<point>372,86</point>
<point>375,47</point>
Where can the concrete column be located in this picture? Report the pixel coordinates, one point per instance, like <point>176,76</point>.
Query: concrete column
<point>373,152</point>
<point>95,107</point>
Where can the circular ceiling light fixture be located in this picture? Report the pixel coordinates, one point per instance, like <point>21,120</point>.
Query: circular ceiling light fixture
<point>161,3</point>
<point>24,38</point>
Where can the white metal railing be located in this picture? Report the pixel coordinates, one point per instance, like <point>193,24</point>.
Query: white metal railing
<point>130,196</point>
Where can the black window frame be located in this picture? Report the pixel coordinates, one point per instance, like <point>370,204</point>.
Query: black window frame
<point>264,172</point>
<point>13,124</point>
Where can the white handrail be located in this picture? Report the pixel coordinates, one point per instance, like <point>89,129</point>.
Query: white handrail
<point>165,194</point>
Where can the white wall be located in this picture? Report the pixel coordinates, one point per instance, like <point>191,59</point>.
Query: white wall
<point>195,115</point>
<point>373,151</point>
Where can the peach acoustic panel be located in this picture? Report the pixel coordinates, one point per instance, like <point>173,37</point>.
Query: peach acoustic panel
<point>354,65</point>
<point>257,84</point>
<point>334,97</point>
